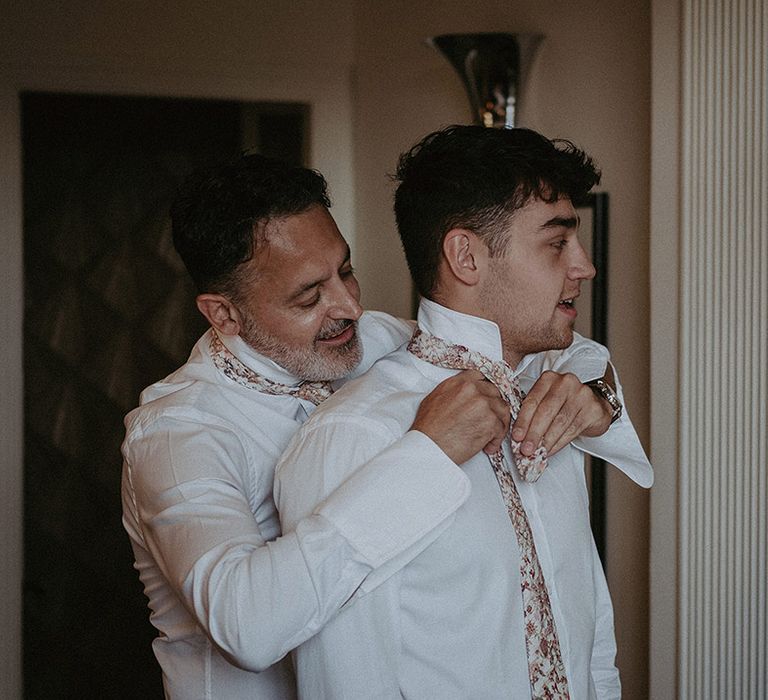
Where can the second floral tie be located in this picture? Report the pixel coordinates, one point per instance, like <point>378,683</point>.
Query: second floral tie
<point>316,392</point>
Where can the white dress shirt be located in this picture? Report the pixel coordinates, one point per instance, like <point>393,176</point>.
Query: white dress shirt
<point>228,596</point>
<point>447,621</point>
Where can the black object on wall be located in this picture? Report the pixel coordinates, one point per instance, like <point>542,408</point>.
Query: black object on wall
<point>597,203</point>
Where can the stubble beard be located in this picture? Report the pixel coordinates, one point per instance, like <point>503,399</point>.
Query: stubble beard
<point>533,338</point>
<point>550,337</point>
<point>315,363</point>
<point>523,336</point>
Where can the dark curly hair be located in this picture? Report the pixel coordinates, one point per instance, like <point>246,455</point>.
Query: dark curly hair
<point>475,177</point>
<point>219,215</point>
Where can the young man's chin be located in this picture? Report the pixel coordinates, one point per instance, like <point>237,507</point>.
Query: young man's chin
<point>559,341</point>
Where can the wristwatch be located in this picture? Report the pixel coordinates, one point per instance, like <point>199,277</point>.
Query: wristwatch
<point>604,390</point>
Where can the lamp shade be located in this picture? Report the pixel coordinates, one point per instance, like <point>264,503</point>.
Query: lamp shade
<point>492,67</point>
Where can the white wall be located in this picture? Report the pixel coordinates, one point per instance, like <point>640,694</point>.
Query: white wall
<point>590,83</point>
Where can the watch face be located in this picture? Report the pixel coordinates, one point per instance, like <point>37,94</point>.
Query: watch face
<point>609,395</point>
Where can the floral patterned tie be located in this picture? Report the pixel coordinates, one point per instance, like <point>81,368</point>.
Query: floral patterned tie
<point>234,369</point>
<point>427,346</point>
<point>546,671</point>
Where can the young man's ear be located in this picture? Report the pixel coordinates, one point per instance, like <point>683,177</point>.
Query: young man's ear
<point>464,255</point>
<point>221,313</point>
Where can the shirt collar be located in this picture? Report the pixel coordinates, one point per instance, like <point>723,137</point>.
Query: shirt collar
<point>257,362</point>
<point>473,332</point>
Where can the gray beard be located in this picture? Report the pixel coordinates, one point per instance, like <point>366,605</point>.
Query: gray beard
<point>307,363</point>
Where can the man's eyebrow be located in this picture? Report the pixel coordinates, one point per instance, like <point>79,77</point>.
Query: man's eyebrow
<point>560,222</point>
<point>314,283</point>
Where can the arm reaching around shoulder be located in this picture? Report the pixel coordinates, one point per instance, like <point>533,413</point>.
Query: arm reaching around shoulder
<point>189,510</point>
<point>344,457</point>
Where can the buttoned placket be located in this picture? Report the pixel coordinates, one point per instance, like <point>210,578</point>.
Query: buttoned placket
<point>526,529</point>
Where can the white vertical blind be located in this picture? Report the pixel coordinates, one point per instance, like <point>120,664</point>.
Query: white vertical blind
<point>724,351</point>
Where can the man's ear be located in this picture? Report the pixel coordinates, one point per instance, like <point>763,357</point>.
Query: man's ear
<point>221,313</point>
<point>464,255</point>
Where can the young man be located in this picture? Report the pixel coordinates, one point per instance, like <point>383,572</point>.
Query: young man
<point>509,600</point>
<point>228,595</point>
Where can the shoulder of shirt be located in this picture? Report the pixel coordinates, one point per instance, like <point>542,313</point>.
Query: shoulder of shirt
<point>390,381</point>
<point>384,323</point>
<point>195,392</point>
<point>380,334</point>
<point>582,356</point>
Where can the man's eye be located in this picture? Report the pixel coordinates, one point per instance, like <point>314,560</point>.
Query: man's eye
<point>560,244</point>
<point>310,303</point>
<point>347,272</point>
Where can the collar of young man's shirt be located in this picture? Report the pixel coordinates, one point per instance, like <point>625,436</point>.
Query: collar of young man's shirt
<point>473,332</point>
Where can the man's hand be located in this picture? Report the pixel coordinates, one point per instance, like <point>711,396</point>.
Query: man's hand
<point>558,409</point>
<point>463,415</point>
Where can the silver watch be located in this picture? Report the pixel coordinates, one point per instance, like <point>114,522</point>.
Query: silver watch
<point>605,391</point>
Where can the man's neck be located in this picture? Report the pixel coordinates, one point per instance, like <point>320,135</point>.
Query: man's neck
<point>511,357</point>
<point>467,304</point>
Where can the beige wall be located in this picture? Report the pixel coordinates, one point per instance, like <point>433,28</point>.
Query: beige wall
<point>234,37</point>
<point>590,83</point>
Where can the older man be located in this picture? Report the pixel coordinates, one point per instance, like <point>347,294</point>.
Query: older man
<point>229,596</point>
<point>509,600</point>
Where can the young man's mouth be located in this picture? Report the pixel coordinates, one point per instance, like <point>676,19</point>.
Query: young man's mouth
<point>566,305</point>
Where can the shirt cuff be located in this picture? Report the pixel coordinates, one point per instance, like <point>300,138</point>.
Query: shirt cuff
<point>387,510</point>
<point>621,447</point>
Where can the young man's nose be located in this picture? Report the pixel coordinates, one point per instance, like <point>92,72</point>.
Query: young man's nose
<point>581,267</point>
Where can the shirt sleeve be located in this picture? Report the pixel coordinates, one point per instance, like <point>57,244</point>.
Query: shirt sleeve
<point>389,497</point>
<point>619,445</point>
<point>188,500</point>
<point>605,674</point>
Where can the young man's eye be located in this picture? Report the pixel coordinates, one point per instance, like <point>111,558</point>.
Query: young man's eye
<point>560,244</point>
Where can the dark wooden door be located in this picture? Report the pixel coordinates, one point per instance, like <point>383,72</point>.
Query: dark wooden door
<point>108,310</point>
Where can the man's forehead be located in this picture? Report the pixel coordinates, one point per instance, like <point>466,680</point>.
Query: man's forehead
<point>546,214</point>
<point>302,233</point>
<point>298,253</point>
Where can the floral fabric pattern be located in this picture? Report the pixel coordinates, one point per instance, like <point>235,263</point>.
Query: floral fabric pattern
<point>439,352</point>
<point>546,671</point>
<point>234,369</point>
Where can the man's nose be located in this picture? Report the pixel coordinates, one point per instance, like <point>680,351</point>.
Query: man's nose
<point>581,267</point>
<point>346,302</point>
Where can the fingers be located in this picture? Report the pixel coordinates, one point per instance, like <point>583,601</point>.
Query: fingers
<point>463,415</point>
<point>542,414</point>
<point>466,414</point>
<point>557,410</point>
<point>555,442</point>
